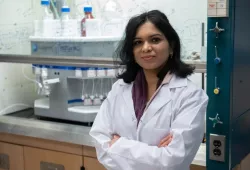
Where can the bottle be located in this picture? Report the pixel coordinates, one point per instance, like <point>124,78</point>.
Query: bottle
<point>48,15</point>
<point>47,29</point>
<point>88,15</point>
<point>65,13</point>
<point>65,23</point>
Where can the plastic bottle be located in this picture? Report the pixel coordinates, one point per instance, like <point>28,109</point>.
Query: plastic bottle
<point>65,13</point>
<point>48,15</point>
<point>65,23</point>
<point>88,15</point>
<point>47,28</point>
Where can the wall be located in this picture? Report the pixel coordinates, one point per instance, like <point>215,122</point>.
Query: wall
<point>16,25</point>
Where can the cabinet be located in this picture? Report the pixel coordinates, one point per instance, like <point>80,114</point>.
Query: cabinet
<point>38,154</point>
<point>41,159</point>
<point>11,157</point>
<point>92,164</point>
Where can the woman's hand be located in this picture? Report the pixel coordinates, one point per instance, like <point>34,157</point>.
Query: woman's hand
<point>165,141</point>
<point>115,138</point>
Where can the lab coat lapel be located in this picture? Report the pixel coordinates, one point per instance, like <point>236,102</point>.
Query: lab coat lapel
<point>128,100</point>
<point>162,98</point>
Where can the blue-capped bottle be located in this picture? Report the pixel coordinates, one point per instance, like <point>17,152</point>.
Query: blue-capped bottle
<point>48,15</point>
<point>88,15</point>
<point>65,13</point>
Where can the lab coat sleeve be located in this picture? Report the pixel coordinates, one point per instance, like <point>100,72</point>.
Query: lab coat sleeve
<point>187,129</point>
<point>101,132</point>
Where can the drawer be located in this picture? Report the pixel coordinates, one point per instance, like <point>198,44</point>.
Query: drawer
<point>92,164</point>
<point>11,157</point>
<point>40,159</point>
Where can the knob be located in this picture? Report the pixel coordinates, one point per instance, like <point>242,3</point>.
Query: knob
<point>216,87</point>
<point>217,60</point>
<point>216,120</point>
<point>217,91</point>
<point>217,29</point>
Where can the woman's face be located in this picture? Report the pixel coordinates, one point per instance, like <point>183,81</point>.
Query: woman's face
<point>151,48</point>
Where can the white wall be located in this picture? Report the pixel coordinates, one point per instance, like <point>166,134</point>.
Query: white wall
<point>16,25</point>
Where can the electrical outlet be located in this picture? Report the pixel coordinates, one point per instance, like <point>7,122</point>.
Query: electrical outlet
<point>217,147</point>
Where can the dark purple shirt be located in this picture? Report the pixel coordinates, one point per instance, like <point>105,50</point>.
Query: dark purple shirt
<point>139,94</point>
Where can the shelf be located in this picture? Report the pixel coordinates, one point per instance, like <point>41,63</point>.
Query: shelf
<point>194,61</point>
<point>75,39</point>
<point>200,66</point>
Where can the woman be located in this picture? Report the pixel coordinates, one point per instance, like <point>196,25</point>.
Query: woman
<point>153,118</point>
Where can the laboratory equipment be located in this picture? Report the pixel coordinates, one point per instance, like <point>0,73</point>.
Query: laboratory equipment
<point>73,93</point>
<point>70,95</point>
<point>93,27</point>
<point>65,13</point>
<point>88,15</point>
<point>54,4</point>
<point>50,26</point>
<point>47,12</point>
<point>69,25</point>
<point>228,68</point>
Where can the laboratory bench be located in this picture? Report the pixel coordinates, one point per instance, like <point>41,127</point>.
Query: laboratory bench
<point>28,142</point>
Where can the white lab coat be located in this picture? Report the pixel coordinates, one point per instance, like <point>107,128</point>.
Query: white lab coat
<point>179,107</point>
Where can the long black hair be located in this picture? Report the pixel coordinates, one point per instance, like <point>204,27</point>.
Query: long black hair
<point>124,50</point>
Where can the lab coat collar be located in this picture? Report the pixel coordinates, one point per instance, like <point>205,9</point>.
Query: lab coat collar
<point>128,100</point>
<point>176,82</point>
<point>160,99</point>
<point>162,96</point>
<point>171,79</point>
<point>167,78</point>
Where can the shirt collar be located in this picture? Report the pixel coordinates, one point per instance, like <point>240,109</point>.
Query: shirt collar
<point>174,81</point>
